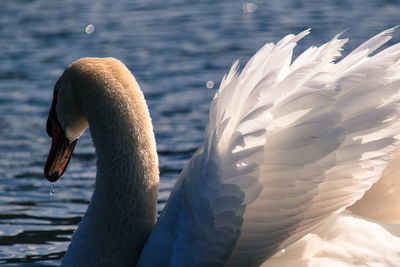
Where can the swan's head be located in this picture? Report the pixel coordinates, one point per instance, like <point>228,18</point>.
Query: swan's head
<point>65,124</point>
<point>94,90</point>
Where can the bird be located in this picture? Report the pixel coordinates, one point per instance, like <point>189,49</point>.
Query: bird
<point>299,166</point>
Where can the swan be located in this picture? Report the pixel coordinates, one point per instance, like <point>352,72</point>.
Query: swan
<point>290,149</point>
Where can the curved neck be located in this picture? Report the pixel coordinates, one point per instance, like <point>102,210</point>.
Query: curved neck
<point>122,210</point>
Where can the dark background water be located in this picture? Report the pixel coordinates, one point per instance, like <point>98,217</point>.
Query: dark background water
<point>173,48</point>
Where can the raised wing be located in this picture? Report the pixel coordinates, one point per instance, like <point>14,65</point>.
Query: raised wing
<point>288,145</point>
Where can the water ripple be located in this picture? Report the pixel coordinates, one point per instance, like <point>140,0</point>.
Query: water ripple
<point>174,58</point>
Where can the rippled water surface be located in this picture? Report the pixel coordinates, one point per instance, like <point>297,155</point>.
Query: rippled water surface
<point>176,49</point>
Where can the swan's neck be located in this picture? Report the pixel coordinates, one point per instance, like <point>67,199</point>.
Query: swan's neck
<point>122,210</point>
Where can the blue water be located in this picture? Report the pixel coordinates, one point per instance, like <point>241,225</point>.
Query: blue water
<point>174,48</point>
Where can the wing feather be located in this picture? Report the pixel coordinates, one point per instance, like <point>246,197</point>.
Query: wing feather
<point>288,145</point>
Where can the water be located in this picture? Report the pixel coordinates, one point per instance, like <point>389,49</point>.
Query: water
<point>178,52</point>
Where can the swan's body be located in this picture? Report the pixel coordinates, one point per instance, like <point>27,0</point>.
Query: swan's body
<point>288,147</point>
<point>345,240</point>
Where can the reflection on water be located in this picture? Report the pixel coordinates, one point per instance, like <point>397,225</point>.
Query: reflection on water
<point>178,52</point>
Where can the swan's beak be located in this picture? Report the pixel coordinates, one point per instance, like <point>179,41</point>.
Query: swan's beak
<point>60,151</point>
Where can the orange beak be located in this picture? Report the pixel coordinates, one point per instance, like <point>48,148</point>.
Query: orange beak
<point>60,151</point>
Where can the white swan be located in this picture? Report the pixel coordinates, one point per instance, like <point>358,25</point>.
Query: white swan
<point>288,147</point>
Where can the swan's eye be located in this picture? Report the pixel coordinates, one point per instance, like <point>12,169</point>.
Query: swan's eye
<point>51,121</point>
<point>49,127</point>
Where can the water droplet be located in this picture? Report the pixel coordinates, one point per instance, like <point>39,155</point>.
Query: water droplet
<point>89,29</point>
<point>52,192</point>
<point>210,84</point>
<point>249,8</point>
